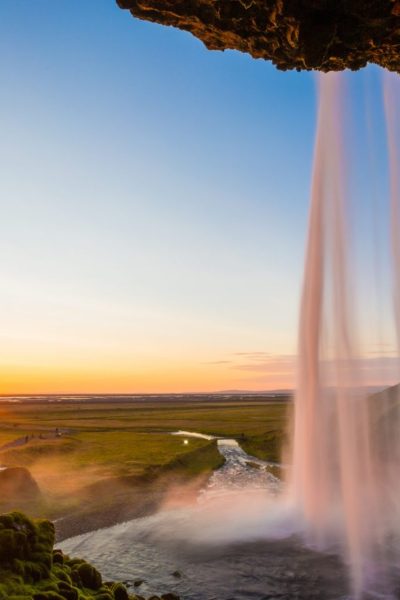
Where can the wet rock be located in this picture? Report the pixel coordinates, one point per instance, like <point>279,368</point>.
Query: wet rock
<point>177,574</point>
<point>293,34</point>
<point>169,596</point>
<point>138,582</point>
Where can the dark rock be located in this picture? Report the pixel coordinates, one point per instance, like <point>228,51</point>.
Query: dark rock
<point>328,35</point>
<point>177,574</point>
<point>76,580</point>
<point>58,557</point>
<point>138,582</point>
<point>17,484</point>
<point>169,596</point>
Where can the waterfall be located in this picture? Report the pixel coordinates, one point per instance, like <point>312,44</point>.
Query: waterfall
<point>345,462</point>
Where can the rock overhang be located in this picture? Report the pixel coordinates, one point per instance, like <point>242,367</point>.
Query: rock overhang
<point>325,35</point>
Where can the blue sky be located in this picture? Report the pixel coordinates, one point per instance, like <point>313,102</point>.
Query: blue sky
<point>154,201</point>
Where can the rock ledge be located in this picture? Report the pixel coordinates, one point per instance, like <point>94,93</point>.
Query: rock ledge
<point>294,34</point>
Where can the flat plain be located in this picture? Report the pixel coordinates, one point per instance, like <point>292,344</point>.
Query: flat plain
<point>94,455</point>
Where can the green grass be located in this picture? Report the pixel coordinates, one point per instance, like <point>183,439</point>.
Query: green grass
<point>220,418</point>
<point>113,434</point>
<point>267,446</point>
<point>111,452</point>
<point>9,435</point>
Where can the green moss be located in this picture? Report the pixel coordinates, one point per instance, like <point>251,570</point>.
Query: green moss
<point>62,574</point>
<point>47,585</point>
<point>89,576</point>
<point>67,591</point>
<point>47,596</point>
<point>74,561</point>
<point>58,557</point>
<point>31,570</point>
<point>118,591</point>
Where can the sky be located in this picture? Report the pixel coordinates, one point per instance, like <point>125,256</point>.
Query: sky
<point>153,199</point>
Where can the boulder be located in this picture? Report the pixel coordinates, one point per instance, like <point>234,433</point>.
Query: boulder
<point>18,485</point>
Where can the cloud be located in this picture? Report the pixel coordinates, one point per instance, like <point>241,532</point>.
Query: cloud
<point>271,364</point>
<point>254,355</point>
<point>217,362</point>
<point>255,368</point>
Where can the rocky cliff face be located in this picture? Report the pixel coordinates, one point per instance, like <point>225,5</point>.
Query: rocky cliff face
<point>294,34</point>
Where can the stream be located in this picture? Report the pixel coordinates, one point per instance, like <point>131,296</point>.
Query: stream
<point>236,542</point>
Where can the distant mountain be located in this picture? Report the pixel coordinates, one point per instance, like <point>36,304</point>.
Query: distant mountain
<point>255,392</point>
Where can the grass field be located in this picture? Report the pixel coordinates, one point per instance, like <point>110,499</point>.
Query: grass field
<point>109,452</point>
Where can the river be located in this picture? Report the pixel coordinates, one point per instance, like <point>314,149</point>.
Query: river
<point>236,542</point>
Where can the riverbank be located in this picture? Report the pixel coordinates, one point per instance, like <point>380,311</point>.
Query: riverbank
<point>238,540</point>
<point>234,471</point>
<point>120,499</point>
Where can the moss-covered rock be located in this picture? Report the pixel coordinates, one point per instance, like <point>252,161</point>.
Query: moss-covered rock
<point>47,596</point>
<point>119,591</point>
<point>89,576</point>
<point>58,557</point>
<point>30,569</point>
<point>105,595</point>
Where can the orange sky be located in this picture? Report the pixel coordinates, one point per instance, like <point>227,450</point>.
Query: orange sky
<point>238,372</point>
